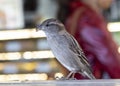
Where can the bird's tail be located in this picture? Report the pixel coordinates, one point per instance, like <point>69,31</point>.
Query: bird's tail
<point>89,75</point>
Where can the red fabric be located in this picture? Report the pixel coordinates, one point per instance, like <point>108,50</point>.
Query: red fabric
<point>96,41</point>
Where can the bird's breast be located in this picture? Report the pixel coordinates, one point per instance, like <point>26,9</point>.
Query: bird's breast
<point>62,52</point>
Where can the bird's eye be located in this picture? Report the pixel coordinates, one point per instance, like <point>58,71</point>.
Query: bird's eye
<point>49,24</point>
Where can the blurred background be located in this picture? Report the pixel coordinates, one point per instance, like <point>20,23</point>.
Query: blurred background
<point>24,53</point>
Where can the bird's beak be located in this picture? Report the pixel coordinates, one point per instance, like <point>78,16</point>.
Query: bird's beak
<point>38,27</point>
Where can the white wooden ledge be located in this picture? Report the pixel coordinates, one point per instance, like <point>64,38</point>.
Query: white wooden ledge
<point>105,82</point>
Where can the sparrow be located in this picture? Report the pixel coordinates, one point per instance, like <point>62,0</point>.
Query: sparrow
<point>65,48</point>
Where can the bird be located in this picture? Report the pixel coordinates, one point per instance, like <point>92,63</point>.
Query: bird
<point>65,48</point>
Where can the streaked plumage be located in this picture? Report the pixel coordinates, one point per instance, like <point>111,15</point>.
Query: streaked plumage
<point>65,48</point>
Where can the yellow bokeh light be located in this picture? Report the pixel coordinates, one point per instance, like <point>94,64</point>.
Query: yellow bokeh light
<point>119,49</point>
<point>30,66</point>
<point>12,56</point>
<point>114,27</point>
<point>23,77</point>
<point>21,34</point>
<point>27,55</point>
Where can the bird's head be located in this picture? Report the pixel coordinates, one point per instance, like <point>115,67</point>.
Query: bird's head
<point>50,25</point>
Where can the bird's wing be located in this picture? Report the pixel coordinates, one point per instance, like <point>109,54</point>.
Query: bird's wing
<point>74,46</point>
